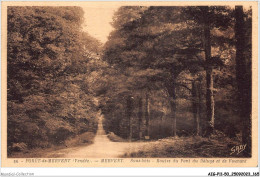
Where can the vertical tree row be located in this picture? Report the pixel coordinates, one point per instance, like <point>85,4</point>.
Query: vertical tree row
<point>187,52</point>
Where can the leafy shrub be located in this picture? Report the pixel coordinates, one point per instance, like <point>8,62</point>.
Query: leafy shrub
<point>113,137</point>
<point>87,137</point>
<point>17,147</point>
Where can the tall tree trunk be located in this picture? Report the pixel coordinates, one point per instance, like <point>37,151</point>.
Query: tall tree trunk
<point>196,107</point>
<point>173,112</point>
<point>171,91</point>
<point>209,75</point>
<point>129,107</point>
<point>199,107</point>
<point>243,81</point>
<point>146,114</point>
<point>140,116</point>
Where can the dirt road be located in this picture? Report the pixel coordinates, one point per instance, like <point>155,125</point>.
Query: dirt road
<point>101,148</point>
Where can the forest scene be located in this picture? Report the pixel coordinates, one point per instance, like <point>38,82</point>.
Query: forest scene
<point>169,81</point>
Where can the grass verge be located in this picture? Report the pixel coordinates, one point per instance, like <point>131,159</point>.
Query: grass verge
<point>190,147</point>
<point>84,139</point>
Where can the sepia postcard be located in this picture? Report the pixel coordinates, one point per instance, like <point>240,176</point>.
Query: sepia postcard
<point>129,84</point>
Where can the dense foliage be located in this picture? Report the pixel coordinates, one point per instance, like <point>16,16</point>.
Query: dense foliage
<point>49,97</point>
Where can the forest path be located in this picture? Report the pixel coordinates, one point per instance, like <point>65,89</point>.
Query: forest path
<point>101,148</point>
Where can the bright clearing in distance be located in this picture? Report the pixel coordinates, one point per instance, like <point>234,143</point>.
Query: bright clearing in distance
<point>97,21</point>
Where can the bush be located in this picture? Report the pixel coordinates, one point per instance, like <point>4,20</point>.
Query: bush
<point>113,137</point>
<point>18,147</point>
<point>85,138</point>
